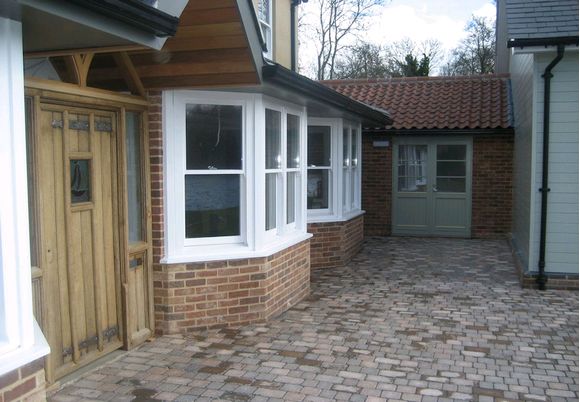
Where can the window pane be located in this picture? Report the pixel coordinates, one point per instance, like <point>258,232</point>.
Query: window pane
<point>451,185</point>
<point>412,184</point>
<point>354,148</point>
<point>345,187</point>
<point>353,188</point>
<point>318,189</point>
<point>345,148</point>
<point>264,10</point>
<point>273,139</point>
<point>212,205</point>
<point>451,152</point>
<point>450,168</point>
<point>80,184</point>
<point>271,200</point>
<point>134,185</point>
<point>318,146</point>
<point>213,137</point>
<point>291,197</point>
<point>412,168</point>
<point>293,141</point>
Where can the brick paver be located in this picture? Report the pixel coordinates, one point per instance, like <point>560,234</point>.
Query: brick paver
<point>408,319</point>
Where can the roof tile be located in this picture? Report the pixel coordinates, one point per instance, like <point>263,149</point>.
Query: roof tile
<point>473,102</point>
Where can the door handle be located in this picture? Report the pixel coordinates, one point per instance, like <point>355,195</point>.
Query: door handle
<point>435,189</point>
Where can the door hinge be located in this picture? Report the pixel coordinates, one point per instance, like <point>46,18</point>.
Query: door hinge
<point>93,340</point>
<point>57,124</point>
<point>110,332</point>
<point>82,125</point>
<point>104,126</point>
<point>67,352</point>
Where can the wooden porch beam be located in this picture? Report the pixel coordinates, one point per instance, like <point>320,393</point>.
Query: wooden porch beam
<point>94,50</point>
<point>129,73</point>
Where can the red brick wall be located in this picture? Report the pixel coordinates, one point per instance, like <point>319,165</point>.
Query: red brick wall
<point>25,383</point>
<point>377,185</point>
<point>222,293</point>
<point>335,243</point>
<point>156,166</point>
<point>492,185</point>
<point>491,213</point>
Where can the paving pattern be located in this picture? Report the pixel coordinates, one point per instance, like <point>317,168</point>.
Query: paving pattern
<point>408,319</point>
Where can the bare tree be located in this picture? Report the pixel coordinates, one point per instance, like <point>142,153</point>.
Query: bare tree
<point>363,60</point>
<point>336,20</point>
<point>476,53</point>
<point>407,58</point>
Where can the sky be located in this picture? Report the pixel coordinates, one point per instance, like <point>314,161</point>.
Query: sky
<point>419,20</point>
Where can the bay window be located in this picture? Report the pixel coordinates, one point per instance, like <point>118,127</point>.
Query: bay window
<point>234,167</point>
<point>333,186</point>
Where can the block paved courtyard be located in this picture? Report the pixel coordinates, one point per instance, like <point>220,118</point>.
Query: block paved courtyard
<point>407,319</point>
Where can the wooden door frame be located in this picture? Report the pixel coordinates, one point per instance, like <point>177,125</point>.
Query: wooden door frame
<point>72,96</point>
<point>432,141</point>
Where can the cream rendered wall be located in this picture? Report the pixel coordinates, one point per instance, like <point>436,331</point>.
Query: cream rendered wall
<point>282,48</point>
<point>562,229</point>
<point>522,77</point>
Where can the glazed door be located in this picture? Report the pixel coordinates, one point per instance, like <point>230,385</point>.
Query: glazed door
<point>79,246</point>
<point>432,187</point>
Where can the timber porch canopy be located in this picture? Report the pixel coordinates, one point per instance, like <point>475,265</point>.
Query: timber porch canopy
<point>217,44</point>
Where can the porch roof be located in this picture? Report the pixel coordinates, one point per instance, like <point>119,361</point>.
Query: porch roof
<point>436,103</point>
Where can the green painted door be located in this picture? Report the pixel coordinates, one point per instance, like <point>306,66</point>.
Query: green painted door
<point>432,186</point>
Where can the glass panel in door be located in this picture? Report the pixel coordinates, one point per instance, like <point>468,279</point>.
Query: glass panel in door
<point>451,168</point>
<point>412,168</point>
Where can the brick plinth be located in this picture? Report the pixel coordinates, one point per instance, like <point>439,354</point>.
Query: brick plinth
<point>214,294</point>
<point>24,384</point>
<point>335,243</point>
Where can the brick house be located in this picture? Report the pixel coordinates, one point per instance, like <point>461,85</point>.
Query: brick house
<point>174,168</point>
<point>444,167</point>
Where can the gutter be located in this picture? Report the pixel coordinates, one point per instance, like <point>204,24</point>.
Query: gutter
<point>134,13</point>
<point>547,76</point>
<point>554,41</point>
<point>283,77</point>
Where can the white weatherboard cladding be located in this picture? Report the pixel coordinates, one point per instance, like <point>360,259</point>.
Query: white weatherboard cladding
<point>562,219</point>
<point>522,72</point>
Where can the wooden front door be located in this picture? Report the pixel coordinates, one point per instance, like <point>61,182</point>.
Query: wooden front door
<point>432,186</point>
<point>79,241</point>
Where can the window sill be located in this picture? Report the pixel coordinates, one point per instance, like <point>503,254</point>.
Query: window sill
<point>235,251</point>
<point>22,356</point>
<point>335,218</point>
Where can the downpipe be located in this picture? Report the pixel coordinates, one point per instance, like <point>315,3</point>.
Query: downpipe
<point>547,76</point>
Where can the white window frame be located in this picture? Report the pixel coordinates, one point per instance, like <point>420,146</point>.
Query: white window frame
<point>282,227</point>
<point>175,103</point>
<point>267,28</point>
<point>334,201</point>
<point>299,171</point>
<point>21,340</point>
<point>254,240</point>
<point>343,177</point>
